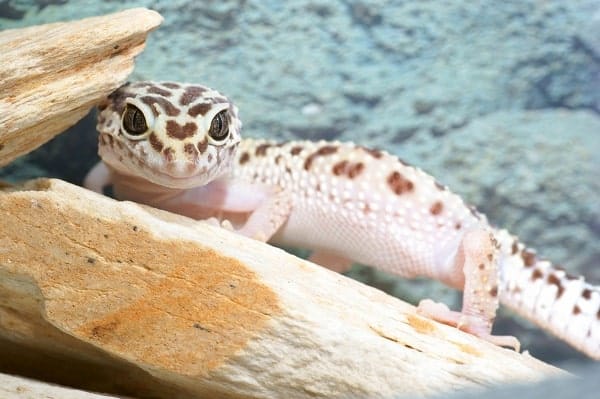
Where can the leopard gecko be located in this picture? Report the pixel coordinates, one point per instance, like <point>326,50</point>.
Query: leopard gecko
<point>178,147</point>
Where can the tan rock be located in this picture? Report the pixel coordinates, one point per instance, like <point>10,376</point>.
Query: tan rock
<point>137,301</point>
<point>51,75</point>
<point>13,387</point>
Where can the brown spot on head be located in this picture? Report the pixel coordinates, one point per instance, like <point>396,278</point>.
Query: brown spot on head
<point>490,257</point>
<point>494,291</point>
<point>339,168</point>
<point>278,159</point>
<point>261,150</point>
<point>552,279</point>
<point>191,94</point>
<point>176,131</point>
<point>537,274</point>
<point>169,154</point>
<point>155,142</point>
<point>199,109</point>
<point>436,208</point>
<point>355,170</point>
<point>162,102</point>
<point>296,150</point>
<point>576,310</point>
<point>457,225</point>
<point>190,149</point>
<point>528,257</point>
<point>586,293</point>
<point>244,157</point>
<point>202,146</point>
<point>481,266</point>
<point>159,91</point>
<point>398,183</point>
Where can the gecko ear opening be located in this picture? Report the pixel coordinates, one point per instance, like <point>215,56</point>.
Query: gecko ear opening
<point>137,121</point>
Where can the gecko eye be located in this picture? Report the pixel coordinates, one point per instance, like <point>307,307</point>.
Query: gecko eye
<point>134,122</point>
<point>219,127</point>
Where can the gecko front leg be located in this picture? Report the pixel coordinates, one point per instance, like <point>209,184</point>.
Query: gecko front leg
<point>475,265</point>
<point>251,209</point>
<point>97,178</point>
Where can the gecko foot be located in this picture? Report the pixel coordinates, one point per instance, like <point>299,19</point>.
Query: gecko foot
<point>471,324</point>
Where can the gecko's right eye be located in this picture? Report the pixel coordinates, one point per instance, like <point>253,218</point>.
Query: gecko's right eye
<point>134,122</point>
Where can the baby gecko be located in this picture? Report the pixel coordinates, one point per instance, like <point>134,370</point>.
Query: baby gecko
<point>178,147</point>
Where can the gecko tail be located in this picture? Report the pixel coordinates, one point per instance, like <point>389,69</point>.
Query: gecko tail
<point>547,295</point>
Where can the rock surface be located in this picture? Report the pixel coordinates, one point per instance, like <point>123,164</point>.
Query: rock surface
<point>12,387</point>
<point>161,305</point>
<point>51,75</point>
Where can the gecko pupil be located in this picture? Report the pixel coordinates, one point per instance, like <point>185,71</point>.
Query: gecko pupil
<point>219,127</point>
<point>134,121</point>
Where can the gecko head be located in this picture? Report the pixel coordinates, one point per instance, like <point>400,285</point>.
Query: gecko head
<point>171,134</point>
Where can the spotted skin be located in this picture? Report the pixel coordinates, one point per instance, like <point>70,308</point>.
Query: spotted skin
<point>343,201</point>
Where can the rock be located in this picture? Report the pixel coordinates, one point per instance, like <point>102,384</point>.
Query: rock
<point>164,306</point>
<point>12,387</point>
<point>51,75</point>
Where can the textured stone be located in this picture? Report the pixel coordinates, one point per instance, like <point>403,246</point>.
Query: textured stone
<point>12,387</point>
<point>51,75</point>
<point>183,309</point>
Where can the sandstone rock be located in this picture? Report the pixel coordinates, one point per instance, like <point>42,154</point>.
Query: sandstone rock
<point>12,387</point>
<point>51,75</point>
<point>132,300</point>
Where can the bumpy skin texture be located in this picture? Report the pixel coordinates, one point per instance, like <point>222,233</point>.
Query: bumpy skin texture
<point>345,202</point>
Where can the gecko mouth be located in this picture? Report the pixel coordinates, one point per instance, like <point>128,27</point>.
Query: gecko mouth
<point>193,176</point>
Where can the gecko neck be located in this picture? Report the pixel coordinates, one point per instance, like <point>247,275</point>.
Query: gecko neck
<point>139,189</point>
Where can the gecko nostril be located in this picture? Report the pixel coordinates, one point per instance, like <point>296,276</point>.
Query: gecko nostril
<point>181,168</point>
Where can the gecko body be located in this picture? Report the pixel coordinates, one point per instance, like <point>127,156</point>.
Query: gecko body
<point>178,147</point>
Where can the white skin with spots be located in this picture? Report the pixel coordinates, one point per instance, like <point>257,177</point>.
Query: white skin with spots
<point>178,147</point>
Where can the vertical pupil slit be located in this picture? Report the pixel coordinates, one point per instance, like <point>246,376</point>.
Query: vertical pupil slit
<point>219,128</point>
<point>134,121</point>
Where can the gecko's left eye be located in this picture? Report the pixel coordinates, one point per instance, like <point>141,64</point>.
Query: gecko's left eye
<point>219,127</point>
<point>134,122</point>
